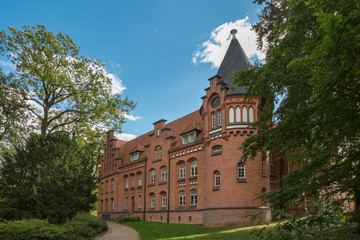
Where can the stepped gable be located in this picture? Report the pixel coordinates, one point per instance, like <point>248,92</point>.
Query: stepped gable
<point>234,60</point>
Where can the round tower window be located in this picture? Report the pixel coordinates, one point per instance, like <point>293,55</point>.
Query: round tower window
<point>216,102</point>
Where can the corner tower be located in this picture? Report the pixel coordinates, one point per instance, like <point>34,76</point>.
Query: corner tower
<point>231,186</point>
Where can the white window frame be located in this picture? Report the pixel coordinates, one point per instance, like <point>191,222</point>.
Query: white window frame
<point>238,114</point>
<point>217,149</point>
<point>193,197</point>
<point>127,182</point>
<point>213,120</point>
<point>219,117</point>
<point>182,170</point>
<point>163,200</point>
<point>156,154</point>
<point>132,180</point>
<point>140,201</point>
<point>140,179</point>
<point>244,114</point>
<point>182,198</point>
<point>241,170</point>
<point>160,153</point>
<point>188,137</point>
<point>152,176</point>
<point>217,179</point>
<point>164,174</point>
<point>193,168</point>
<point>134,156</point>
<point>152,201</point>
<point>251,115</point>
<point>231,115</point>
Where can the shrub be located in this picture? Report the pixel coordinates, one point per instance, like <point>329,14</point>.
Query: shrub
<point>32,229</point>
<point>128,218</point>
<point>82,220</point>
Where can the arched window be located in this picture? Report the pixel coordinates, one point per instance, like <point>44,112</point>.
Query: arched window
<point>182,170</point>
<point>156,155</point>
<point>219,117</point>
<point>152,176</point>
<point>217,179</point>
<point>244,114</point>
<point>160,153</point>
<point>112,185</point>
<point>126,182</point>
<point>251,115</point>
<point>231,115</point>
<point>193,197</point>
<point>164,174</point>
<point>163,200</point>
<point>241,170</point>
<point>193,168</point>
<point>238,117</point>
<point>182,198</point>
<point>152,200</point>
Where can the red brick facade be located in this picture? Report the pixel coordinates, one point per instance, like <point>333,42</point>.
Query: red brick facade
<point>198,177</point>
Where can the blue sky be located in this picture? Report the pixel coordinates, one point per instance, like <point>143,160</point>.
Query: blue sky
<point>160,53</point>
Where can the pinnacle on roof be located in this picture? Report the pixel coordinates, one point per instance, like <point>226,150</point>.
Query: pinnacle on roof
<point>234,60</point>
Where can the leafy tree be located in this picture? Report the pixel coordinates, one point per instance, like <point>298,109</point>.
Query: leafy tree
<point>63,90</point>
<point>51,178</point>
<point>312,62</point>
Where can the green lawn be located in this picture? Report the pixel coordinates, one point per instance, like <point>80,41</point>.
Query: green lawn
<point>154,230</point>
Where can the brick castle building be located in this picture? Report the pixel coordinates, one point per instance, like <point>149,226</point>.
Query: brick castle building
<point>188,170</point>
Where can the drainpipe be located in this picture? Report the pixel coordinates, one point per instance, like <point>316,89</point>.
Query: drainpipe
<point>168,199</point>
<point>145,184</point>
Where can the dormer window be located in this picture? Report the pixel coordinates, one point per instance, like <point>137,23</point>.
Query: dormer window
<point>135,156</point>
<point>189,137</point>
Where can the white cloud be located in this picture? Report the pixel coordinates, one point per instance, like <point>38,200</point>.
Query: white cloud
<point>117,86</point>
<point>213,50</point>
<point>131,117</point>
<point>125,136</point>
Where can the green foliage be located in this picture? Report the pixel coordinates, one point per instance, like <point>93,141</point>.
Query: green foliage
<point>128,218</point>
<point>51,178</point>
<point>82,226</point>
<point>73,92</point>
<point>312,63</point>
<point>84,219</point>
<point>325,225</point>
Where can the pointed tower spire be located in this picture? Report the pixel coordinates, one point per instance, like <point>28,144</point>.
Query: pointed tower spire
<point>234,60</point>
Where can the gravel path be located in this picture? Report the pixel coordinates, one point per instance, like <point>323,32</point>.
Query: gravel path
<point>119,232</point>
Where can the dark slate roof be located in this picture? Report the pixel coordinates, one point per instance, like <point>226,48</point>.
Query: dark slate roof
<point>235,58</point>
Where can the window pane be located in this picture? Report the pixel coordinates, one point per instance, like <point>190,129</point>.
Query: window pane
<point>238,118</point>
<point>231,115</point>
<point>244,114</point>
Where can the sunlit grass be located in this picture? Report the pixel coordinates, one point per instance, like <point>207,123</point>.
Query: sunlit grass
<point>154,230</point>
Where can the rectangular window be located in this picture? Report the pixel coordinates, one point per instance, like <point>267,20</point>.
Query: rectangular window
<point>213,120</point>
<point>164,200</point>
<point>102,188</point>
<point>160,153</point>
<point>133,181</point>
<point>112,185</point>
<point>272,169</point>
<point>193,170</point>
<point>152,201</point>
<point>219,118</point>
<point>156,155</point>
<point>126,203</point>
<point>140,180</point>
<point>127,182</point>
<point>241,171</point>
<point>107,187</point>
<point>182,171</point>
<point>152,176</point>
<point>193,197</point>
<point>182,199</point>
<point>164,174</point>
<point>140,202</point>
<point>263,166</point>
